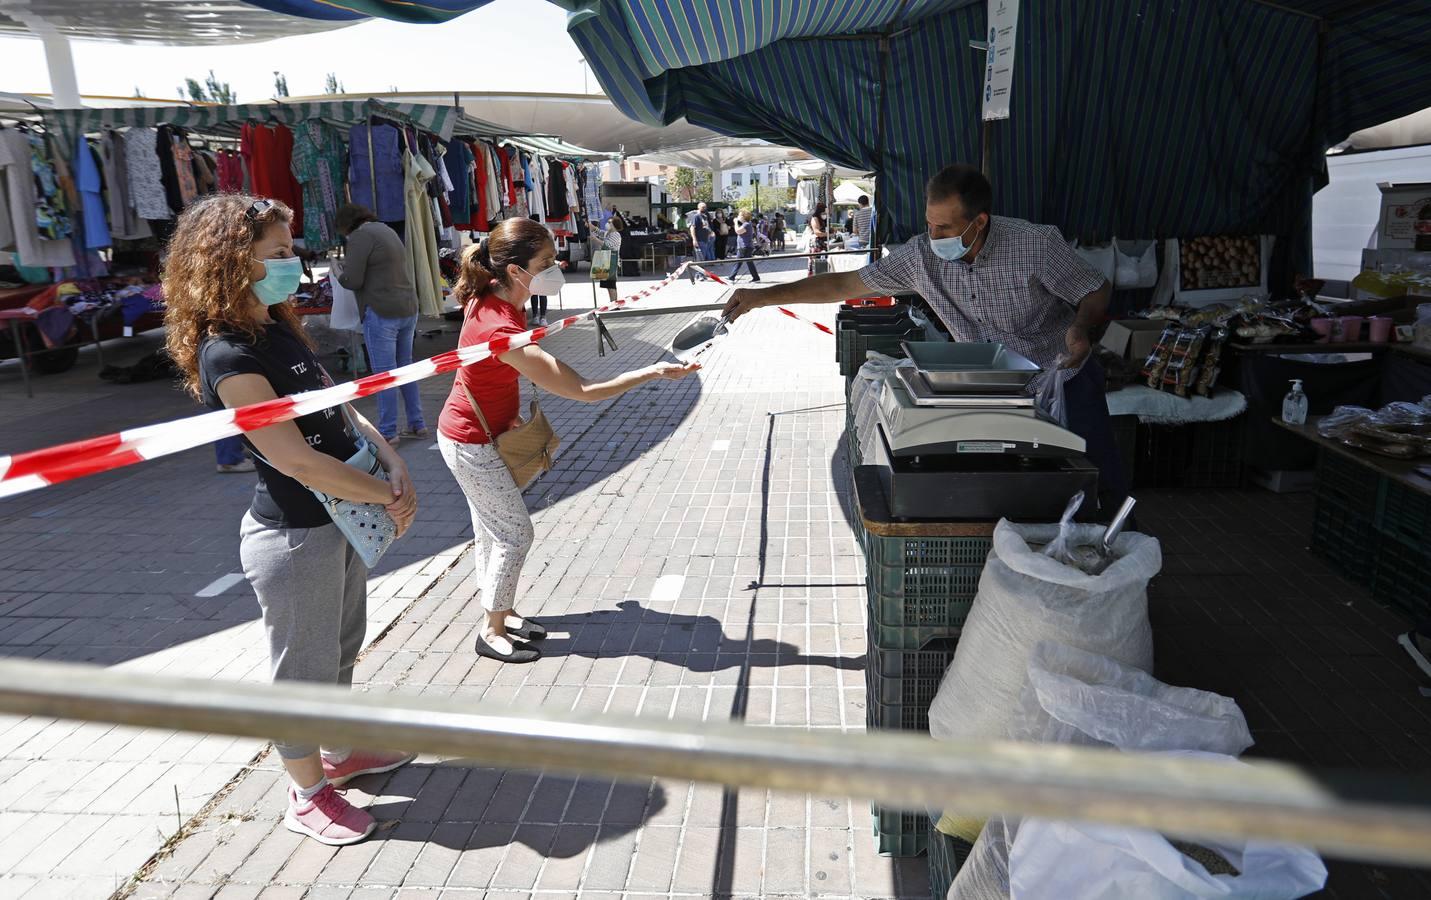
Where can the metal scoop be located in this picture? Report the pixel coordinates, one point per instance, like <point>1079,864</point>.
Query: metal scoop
<point>701,331</point>
<point>1115,528</point>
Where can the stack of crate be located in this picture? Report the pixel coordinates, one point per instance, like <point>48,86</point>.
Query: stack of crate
<point>920,583</point>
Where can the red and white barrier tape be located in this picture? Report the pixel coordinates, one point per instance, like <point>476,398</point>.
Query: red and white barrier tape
<point>794,315</point>
<point>51,465</point>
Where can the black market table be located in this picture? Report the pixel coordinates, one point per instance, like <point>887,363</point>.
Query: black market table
<point>1372,520</point>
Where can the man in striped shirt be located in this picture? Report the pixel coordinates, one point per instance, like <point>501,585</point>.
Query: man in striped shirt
<point>989,278</point>
<point>864,217</point>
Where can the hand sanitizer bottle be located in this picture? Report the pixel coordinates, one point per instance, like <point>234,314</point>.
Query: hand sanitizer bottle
<point>1294,405</point>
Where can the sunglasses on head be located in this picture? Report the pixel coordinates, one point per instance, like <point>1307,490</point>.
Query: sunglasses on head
<point>258,208</point>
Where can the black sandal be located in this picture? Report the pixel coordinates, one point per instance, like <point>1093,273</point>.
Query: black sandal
<point>531,630</point>
<point>519,654</point>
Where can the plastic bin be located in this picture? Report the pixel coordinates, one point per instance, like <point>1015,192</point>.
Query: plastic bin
<point>853,341</point>
<point>1346,539</point>
<point>1404,514</point>
<point>900,833</point>
<point>910,606</point>
<point>890,716</point>
<point>1201,455</point>
<point>1402,577</point>
<point>907,677</point>
<point>946,856</point>
<point>1355,488</point>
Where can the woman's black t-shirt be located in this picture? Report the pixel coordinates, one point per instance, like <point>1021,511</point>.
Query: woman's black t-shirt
<point>290,367</point>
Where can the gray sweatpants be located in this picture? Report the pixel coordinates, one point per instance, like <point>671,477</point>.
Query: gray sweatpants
<point>313,590</point>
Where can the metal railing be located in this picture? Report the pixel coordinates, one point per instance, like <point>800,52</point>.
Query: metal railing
<point>1359,816</point>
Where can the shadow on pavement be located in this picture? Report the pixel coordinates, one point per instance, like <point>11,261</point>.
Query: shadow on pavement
<point>633,630</point>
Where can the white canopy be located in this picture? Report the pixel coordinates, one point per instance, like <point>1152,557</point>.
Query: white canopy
<point>1403,132</point>
<point>724,153</point>
<point>179,22</point>
<point>589,120</point>
<point>851,191</point>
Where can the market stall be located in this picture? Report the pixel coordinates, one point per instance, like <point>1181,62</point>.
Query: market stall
<point>110,183</point>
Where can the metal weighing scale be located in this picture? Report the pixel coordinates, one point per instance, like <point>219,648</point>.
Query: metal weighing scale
<point>959,440</point>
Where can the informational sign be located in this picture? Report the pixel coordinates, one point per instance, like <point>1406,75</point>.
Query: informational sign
<point>601,265</point>
<point>1003,21</point>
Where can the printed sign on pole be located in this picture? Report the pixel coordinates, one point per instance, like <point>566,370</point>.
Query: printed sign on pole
<point>1003,18</point>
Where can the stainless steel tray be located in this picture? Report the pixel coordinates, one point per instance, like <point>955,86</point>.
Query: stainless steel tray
<point>920,393</point>
<point>953,368</point>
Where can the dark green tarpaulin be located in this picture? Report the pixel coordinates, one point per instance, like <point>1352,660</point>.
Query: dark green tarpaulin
<point>1140,118</point>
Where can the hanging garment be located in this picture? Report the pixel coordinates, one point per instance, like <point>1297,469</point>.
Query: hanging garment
<point>19,229</point>
<point>268,152</point>
<point>421,236</point>
<point>536,188</point>
<point>184,170</point>
<point>496,192</point>
<point>318,166</point>
<point>807,194</point>
<point>593,189</point>
<point>558,206</point>
<point>205,172</point>
<point>169,173</point>
<point>146,183</point>
<point>230,174</point>
<point>87,180</point>
<point>52,212</point>
<point>375,171</point>
<point>125,223</point>
<point>481,183</point>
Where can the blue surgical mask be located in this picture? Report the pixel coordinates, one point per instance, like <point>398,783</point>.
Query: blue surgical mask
<point>280,280</point>
<point>951,248</point>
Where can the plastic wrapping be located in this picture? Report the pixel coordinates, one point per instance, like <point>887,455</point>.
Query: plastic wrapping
<point>1080,698</point>
<point>1061,547</point>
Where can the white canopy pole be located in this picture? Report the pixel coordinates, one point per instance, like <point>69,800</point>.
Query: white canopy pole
<point>64,85</point>
<point>715,175</point>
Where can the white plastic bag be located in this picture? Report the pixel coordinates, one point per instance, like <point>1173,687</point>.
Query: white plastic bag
<point>1061,547</point>
<point>345,306</point>
<point>1049,389</point>
<point>1102,258</point>
<point>1025,597</point>
<point>1135,264</point>
<point>1051,860</point>
<point>1080,698</point>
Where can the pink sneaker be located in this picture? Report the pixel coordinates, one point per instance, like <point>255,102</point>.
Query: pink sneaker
<point>328,818</point>
<point>364,762</point>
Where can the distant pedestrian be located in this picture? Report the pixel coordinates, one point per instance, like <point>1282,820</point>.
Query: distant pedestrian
<point>723,234</point>
<point>229,456</point>
<point>863,222</point>
<point>236,340</point>
<point>376,267</point>
<point>745,245</point>
<point>819,242</point>
<point>701,234</point>
<point>498,276</point>
<point>777,232</point>
<point>612,240</point>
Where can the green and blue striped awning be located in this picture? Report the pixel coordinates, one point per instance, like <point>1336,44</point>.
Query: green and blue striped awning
<point>1136,118</point>
<point>440,120</point>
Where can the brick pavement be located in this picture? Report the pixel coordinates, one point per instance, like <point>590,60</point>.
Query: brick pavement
<point>670,595</point>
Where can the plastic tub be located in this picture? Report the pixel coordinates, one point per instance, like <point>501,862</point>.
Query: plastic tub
<point>1379,328</point>
<point>1351,328</point>
<point>1323,328</point>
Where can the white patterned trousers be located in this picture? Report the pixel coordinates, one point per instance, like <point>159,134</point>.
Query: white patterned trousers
<point>501,525</point>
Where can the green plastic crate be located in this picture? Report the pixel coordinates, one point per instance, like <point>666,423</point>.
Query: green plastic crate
<point>1352,487</point>
<point>946,857</point>
<point>1405,514</point>
<point>900,833</point>
<point>930,551</point>
<point>852,345</point>
<point>1347,539</point>
<point>909,607</point>
<point>907,677</point>
<point>1402,579</point>
<point>890,716</point>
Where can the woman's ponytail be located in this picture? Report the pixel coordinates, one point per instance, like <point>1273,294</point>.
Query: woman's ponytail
<point>513,242</point>
<point>475,275</point>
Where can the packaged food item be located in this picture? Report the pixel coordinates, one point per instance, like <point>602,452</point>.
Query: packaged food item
<point>1211,363</point>
<point>1158,360</point>
<point>1182,368</point>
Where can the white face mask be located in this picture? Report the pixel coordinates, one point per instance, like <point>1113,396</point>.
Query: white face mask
<point>548,282</point>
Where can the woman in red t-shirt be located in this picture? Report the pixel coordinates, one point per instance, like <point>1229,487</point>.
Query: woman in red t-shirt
<point>516,261</point>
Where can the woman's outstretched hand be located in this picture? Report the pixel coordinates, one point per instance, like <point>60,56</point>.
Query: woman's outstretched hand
<point>674,371</point>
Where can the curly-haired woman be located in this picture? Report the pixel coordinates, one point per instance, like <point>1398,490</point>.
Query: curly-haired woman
<point>237,341</point>
<point>516,261</point>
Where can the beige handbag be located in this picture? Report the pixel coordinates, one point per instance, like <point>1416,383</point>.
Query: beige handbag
<point>527,449</point>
